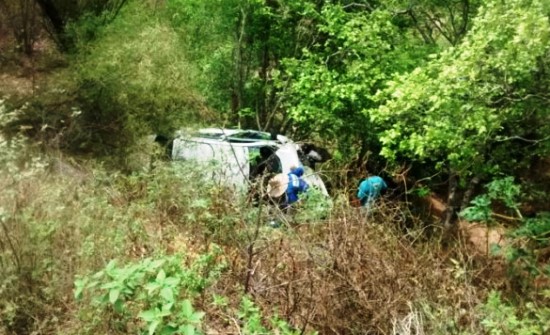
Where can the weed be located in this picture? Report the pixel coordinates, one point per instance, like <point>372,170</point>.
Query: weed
<point>155,291</point>
<point>502,318</point>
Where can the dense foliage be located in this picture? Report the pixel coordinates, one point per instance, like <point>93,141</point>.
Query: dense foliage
<point>464,108</point>
<point>132,78</point>
<point>454,87</point>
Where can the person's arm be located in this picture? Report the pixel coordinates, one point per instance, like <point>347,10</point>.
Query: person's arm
<point>292,197</point>
<point>364,189</point>
<point>303,186</point>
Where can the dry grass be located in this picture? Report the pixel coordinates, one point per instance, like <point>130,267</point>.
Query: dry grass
<point>355,274</point>
<point>411,324</point>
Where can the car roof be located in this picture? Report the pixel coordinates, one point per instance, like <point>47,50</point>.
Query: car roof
<point>241,137</point>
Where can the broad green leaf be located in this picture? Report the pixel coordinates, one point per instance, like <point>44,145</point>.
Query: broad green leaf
<point>156,264</point>
<point>111,265</point>
<point>186,308</point>
<point>167,293</point>
<point>113,295</point>
<point>196,317</point>
<point>152,286</point>
<point>167,306</point>
<point>172,281</point>
<point>153,326</point>
<point>187,329</point>
<point>161,276</point>
<point>148,315</point>
<point>110,285</point>
<point>168,330</point>
<point>119,306</point>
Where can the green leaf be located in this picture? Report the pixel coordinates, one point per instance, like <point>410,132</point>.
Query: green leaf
<point>168,330</point>
<point>172,281</point>
<point>186,308</point>
<point>148,315</point>
<point>111,265</point>
<point>187,329</point>
<point>156,264</point>
<point>119,306</point>
<point>151,287</point>
<point>167,307</point>
<point>113,295</point>
<point>167,293</point>
<point>220,300</point>
<point>196,317</point>
<point>153,326</point>
<point>79,284</point>
<point>161,276</point>
<point>110,285</point>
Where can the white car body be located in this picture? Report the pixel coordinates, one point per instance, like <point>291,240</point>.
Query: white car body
<point>230,154</point>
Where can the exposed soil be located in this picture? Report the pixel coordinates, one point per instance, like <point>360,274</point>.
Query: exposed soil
<point>13,85</point>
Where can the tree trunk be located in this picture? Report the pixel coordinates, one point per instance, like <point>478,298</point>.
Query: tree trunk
<point>469,192</point>
<point>238,86</point>
<point>451,209</point>
<point>55,20</point>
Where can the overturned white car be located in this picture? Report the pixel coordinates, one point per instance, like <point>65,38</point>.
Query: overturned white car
<point>239,156</point>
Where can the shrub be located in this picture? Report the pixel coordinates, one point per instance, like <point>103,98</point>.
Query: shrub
<point>502,190</point>
<point>526,241</point>
<point>502,318</point>
<point>132,78</point>
<point>156,291</point>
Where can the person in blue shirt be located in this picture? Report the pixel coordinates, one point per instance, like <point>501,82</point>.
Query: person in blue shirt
<point>370,189</point>
<point>296,185</point>
<point>292,185</point>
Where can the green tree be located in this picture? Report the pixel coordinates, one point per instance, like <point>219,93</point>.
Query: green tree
<point>436,21</point>
<point>133,80</point>
<point>478,108</point>
<point>206,30</point>
<point>336,79</point>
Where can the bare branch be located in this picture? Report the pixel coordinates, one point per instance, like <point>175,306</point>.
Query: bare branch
<point>511,138</point>
<point>427,38</point>
<point>437,24</point>
<point>362,5</point>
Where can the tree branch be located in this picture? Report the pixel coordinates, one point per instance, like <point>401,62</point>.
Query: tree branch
<point>362,5</point>
<point>511,138</point>
<point>465,16</point>
<point>427,38</point>
<point>437,24</point>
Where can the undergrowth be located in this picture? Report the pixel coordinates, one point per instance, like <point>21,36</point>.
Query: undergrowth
<point>87,250</point>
